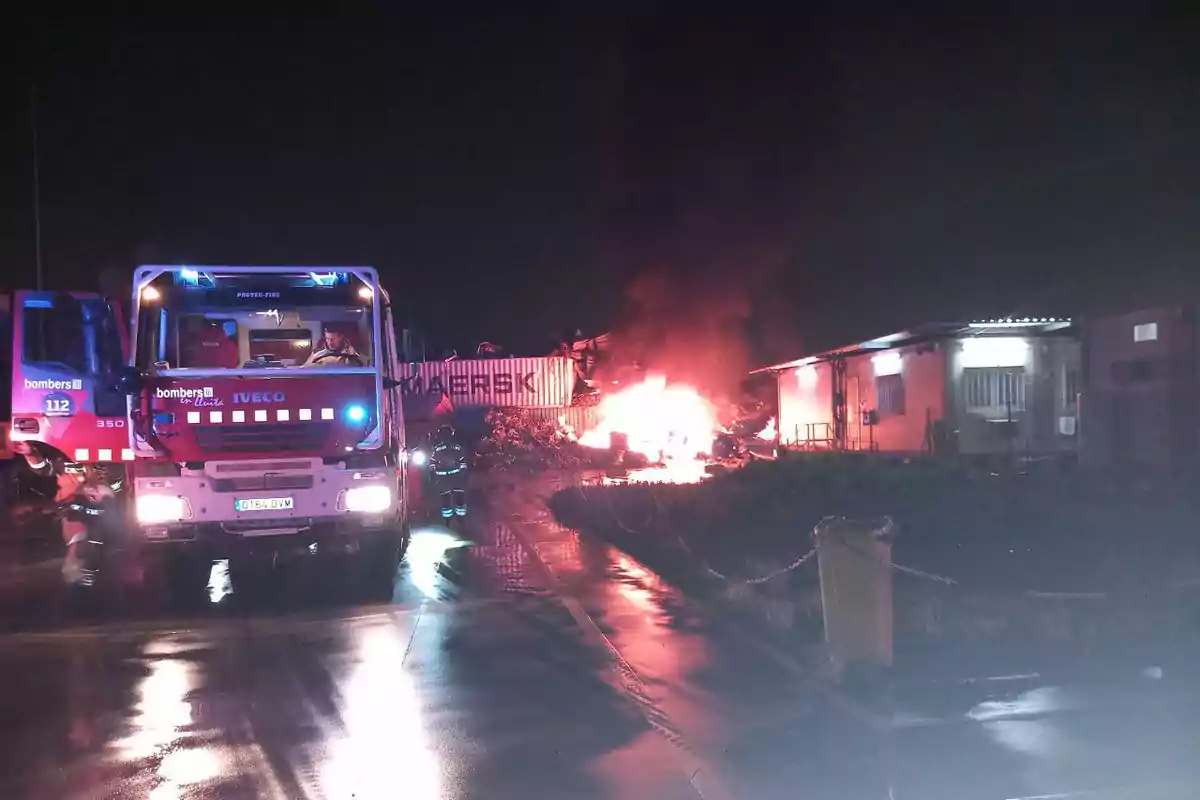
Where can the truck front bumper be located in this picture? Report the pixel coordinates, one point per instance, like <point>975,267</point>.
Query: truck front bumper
<point>245,499</point>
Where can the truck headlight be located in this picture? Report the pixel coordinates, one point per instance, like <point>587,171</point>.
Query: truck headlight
<point>158,508</point>
<point>369,499</point>
<point>419,458</point>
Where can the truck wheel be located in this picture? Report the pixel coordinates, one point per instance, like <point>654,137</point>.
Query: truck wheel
<point>185,573</point>
<point>380,555</point>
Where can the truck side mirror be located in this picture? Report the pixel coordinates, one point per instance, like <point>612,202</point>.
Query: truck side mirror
<point>391,383</point>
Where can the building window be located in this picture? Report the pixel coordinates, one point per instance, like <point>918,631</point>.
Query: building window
<point>1146,332</point>
<point>290,346</point>
<point>994,389</point>
<point>889,395</point>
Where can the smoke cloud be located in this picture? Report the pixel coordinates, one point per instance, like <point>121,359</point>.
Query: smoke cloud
<point>693,325</point>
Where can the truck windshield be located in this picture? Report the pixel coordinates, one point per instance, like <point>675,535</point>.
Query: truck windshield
<point>195,329</point>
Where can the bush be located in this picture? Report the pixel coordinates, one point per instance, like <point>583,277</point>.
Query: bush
<point>999,536</point>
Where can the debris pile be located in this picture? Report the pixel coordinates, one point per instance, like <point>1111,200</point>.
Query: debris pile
<point>521,439</point>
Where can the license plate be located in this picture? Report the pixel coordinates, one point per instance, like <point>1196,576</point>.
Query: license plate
<point>263,504</point>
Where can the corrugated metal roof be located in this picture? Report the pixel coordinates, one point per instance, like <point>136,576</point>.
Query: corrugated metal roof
<point>926,332</point>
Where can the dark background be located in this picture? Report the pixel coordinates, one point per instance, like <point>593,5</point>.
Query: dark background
<point>803,180</point>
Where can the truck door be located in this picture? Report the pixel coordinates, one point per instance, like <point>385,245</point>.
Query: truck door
<point>67,350</point>
<point>106,340</point>
<point>395,406</point>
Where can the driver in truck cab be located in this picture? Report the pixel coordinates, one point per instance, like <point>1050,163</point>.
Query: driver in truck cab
<point>336,351</point>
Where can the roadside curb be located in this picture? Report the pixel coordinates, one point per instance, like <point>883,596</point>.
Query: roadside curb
<point>794,664</point>
<point>704,776</point>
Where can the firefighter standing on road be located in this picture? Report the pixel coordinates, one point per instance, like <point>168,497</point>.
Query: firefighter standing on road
<point>85,500</point>
<point>448,463</point>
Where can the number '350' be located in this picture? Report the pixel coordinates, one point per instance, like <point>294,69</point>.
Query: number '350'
<point>110,423</point>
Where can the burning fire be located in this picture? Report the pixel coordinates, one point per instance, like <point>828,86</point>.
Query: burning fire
<point>670,425</point>
<point>769,433</point>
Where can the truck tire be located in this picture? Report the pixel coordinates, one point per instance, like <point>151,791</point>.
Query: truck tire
<point>185,576</point>
<point>380,556</point>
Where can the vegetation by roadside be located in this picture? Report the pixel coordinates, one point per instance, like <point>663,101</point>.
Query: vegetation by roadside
<point>1039,567</point>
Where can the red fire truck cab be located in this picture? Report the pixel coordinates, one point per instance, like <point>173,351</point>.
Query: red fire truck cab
<point>264,404</point>
<point>66,405</point>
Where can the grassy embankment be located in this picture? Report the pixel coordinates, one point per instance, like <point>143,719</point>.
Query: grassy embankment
<point>1047,566</point>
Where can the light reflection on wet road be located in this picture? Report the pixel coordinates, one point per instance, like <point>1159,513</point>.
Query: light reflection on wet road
<point>528,663</point>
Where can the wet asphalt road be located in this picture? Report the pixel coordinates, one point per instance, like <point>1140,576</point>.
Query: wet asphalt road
<point>530,663</point>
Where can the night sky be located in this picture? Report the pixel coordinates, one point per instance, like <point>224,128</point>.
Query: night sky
<point>808,180</point>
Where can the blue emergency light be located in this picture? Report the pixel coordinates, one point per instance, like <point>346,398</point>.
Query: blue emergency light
<point>329,278</point>
<point>194,277</point>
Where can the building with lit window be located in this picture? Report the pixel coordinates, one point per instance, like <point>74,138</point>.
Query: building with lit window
<point>1004,386</point>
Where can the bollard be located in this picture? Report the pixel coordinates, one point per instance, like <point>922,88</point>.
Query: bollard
<point>854,559</point>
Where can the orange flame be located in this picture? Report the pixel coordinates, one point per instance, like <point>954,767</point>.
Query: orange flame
<point>769,433</point>
<point>662,422</point>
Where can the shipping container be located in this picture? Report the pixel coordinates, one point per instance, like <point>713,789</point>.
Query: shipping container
<point>575,419</point>
<point>544,382</point>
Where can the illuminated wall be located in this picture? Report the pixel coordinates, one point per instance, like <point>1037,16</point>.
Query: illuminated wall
<point>805,403</point>
<point>915,371</point>
<point>1014,393</point>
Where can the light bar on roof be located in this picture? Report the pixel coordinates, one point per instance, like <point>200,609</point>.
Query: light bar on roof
<point>327,278</point>
<point>194,277</point>
<point>881,342</point>
<point>1019,322</point>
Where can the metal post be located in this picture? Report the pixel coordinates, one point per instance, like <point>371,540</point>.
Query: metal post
<point>854,558</point>
<point>37,187</point>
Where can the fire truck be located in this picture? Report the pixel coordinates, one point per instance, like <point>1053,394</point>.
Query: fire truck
<point>66,407</point>
<point>264,408</point>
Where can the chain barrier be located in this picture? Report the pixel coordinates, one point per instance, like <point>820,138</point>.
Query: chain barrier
<point>944,580</point>
<point>799,562</point>
<point>1176,586</point>
<point>795,565</point>
<point>929,576</point>
<point>886,530</point>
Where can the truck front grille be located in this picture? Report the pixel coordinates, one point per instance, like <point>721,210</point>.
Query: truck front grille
<point>274,523</point>
<point>263,438</point>
<point>252,483</point>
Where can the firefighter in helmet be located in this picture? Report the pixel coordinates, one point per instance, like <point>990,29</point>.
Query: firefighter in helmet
<point>86,500</point>
<point>448,465</point>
